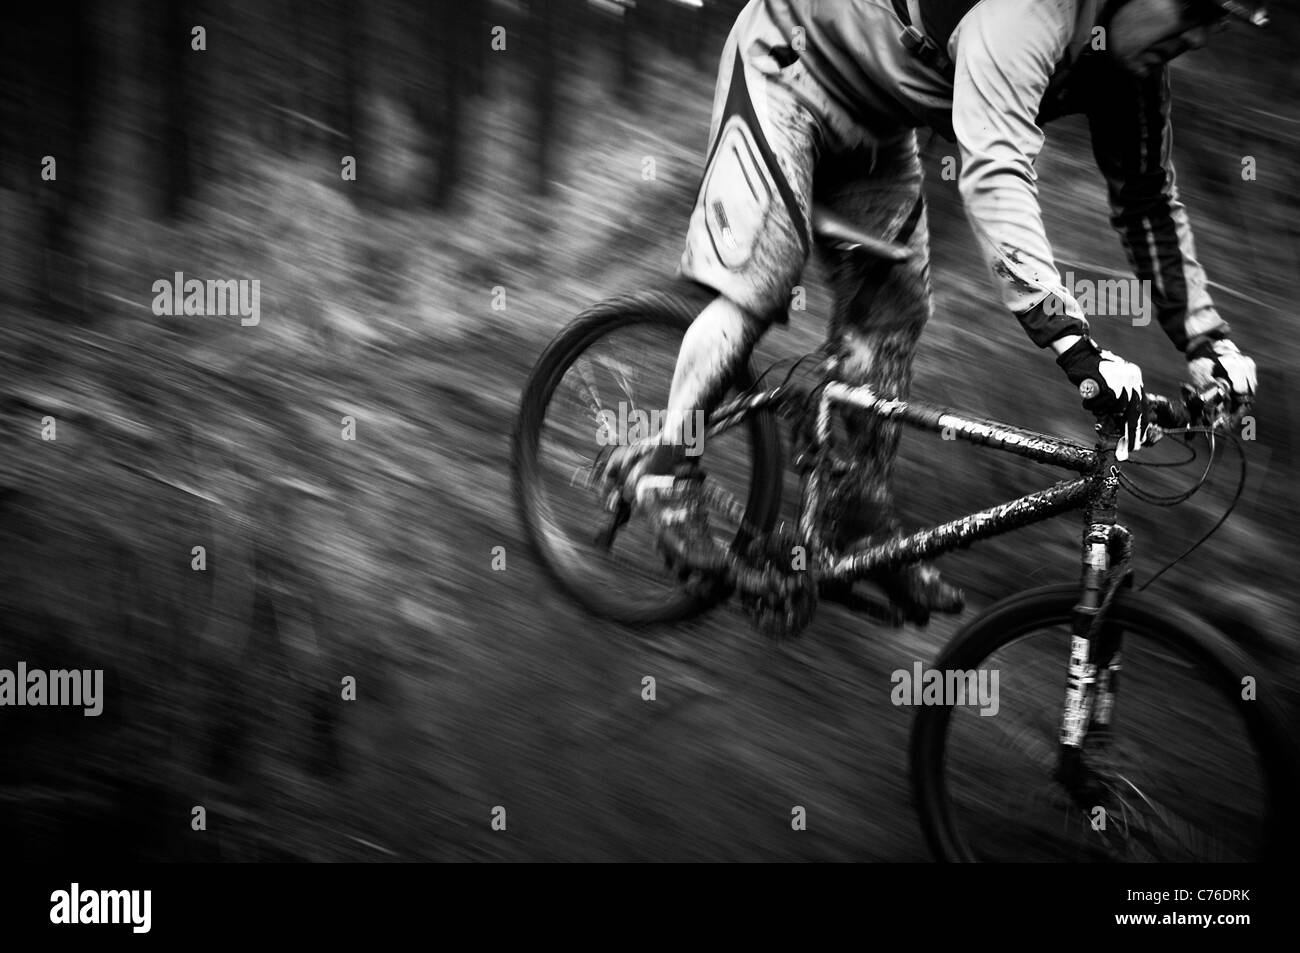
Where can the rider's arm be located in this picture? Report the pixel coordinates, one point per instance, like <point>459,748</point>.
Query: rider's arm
<point>1131,134</point>
<point>1004,53</point>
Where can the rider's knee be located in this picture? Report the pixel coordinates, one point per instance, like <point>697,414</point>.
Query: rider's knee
<point>754,322</point>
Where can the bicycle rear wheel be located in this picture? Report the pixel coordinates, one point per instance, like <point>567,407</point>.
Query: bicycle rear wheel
<point>618,357</point>
<point>1193,771</point>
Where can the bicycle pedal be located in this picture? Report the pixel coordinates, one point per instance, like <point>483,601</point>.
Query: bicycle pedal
<point>878,608</point>
<point>621,514</point>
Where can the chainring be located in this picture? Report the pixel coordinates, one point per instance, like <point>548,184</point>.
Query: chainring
<point>784,609</point>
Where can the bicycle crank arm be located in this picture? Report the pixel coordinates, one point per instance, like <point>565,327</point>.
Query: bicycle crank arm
<point>879,609</point>
<point>622,512</point>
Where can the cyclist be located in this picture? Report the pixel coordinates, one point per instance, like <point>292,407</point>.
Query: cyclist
<point>821,99</point>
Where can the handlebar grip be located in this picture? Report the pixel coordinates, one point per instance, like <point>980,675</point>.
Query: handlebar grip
<point>1213,394</point>
<point>1207,406</point>
<point>1203,408</point>
<point>1164,413</point>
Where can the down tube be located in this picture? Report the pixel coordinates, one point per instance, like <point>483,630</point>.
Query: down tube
<point>1061,498</point>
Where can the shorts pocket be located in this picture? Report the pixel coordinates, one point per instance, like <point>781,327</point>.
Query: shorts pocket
<point>737,195</point>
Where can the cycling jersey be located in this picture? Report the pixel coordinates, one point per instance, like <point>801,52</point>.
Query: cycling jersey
<point>1015,64</point>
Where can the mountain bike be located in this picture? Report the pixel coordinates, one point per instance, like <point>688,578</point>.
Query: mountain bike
<point>1193,763</point>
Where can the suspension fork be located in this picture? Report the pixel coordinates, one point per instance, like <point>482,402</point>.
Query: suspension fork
<point>1092,684</point>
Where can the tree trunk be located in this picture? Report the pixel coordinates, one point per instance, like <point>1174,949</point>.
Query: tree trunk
<point>59,55</point>
<point>629,85</point>
<point>175,76</point>
<point>544,31</point>
<point>450,26</point>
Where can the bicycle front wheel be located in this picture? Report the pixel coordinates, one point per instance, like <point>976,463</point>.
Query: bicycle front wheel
<point>1196,766</point>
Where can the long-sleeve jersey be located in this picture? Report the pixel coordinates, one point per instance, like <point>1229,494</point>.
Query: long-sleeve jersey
<point>1016,64</point>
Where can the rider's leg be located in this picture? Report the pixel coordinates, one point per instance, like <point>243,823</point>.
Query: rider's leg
<point>880,312</point>
<point>748,241</point>
<point>716,344</point>
<point>749,232</point>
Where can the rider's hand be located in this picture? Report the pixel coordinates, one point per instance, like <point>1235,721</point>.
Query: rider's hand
<point>1213,361</point>
<point>1110,387</point>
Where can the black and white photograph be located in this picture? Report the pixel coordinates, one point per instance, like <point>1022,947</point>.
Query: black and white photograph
<point>650,431</point>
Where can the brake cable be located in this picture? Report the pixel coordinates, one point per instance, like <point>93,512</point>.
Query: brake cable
<point>1211,433</point>
<point>1172,499</point>
<point>1191,450</point>
<point>789,374</point>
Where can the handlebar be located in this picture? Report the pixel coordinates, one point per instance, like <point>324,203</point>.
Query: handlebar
<point>1208,407</point>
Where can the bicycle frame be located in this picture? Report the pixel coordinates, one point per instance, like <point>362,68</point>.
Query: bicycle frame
<point>1095,491</point>
<point>923,544</point>
<point>1094,657</point>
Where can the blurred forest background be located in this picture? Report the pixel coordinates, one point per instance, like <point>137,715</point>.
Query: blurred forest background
<point>499,147</point>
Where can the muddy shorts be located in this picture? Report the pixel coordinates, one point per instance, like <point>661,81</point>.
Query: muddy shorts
<point>775,139</point>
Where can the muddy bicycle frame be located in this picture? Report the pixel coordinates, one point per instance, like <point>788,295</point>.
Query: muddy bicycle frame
<point>1094,656</point>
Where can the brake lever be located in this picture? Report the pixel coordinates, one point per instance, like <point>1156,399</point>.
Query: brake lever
<point>1208,407</point>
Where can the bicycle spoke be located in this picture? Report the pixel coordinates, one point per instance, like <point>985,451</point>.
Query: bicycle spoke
<point>587,379</point>
<point>1029,739</point>
<point>620,371</point>
<point>1174,781</point>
